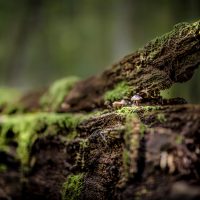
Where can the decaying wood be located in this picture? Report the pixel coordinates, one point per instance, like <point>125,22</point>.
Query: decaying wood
<point>164,61</point>
<point>150,151</point>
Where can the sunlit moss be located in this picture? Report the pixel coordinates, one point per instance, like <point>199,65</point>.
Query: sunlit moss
<point>25,127</point>
<point>72,188</point>
<point>150,108</point>
<point>154,47</point>
<point>126,161</point>
<point>135,131</point>
<point>56,92</point>
<point>130,110</point>
<point>7,95</point>
<point>120,91</point>
<point>179,139</point>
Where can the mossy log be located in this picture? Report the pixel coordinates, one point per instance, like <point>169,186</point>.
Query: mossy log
<point>83,148</point>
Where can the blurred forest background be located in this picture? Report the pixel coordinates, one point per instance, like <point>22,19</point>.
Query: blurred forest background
<point>44,40</point>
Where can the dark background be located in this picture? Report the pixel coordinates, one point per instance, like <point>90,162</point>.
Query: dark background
<point>44,40</point>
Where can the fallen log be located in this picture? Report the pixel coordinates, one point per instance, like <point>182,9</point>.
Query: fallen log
<point>68,142</point>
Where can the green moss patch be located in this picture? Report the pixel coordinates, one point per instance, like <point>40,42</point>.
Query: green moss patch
<point>154,47</point>
<point>9,100</point>
<point>120,91</point>
<point>3,168</point>
<point>126,162</point>
<point>25,128</point>
<point>72,188</point>
<point>135,131</point>
<point>161,118</point>
<point>131,110</point>
<point>56,93</point>
<point>179,139</point>
<point>7,95</point>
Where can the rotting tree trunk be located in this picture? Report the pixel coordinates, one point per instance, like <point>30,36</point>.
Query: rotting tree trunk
<point>150,151</point>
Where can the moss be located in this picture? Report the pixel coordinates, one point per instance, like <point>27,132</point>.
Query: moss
<point>150,108</point>
<point>179,139</point>
<point>70,136</point>
<point>14,108</point>
<point>9,100</point>
<point>130,110</point>
<point>72,188</point>
<point>138,68</point>
<point>56,93</point>
<point>120,91</point>
<point>25,129</point>
<point>7,95</point>
<point>84,143</point>
<point>142,129</point>
<point>141,192</point>
<point>155,46</point>
<point>3,168</point>
<point>130,143</point>
<point>161,118</point>
<point>135,131</point>
<point>126,162</point>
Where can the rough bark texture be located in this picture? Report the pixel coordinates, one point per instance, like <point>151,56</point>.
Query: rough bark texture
<point>166,60</point>
<point>94,151</point>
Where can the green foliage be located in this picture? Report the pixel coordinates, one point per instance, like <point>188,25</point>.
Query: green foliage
<point>56,93</point>
<point>120,91</point>
<point>72,188</point>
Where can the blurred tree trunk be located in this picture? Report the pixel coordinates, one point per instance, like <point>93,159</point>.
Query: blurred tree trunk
<point>30,21</point>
